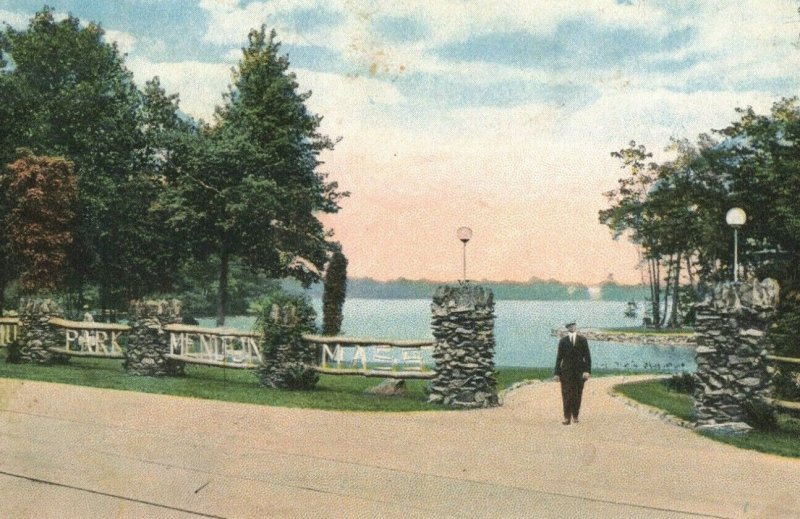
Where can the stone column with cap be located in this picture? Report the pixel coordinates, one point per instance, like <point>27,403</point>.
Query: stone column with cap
<point>36,335</point>
<point>148,343</point>
<point>733,373</point>
<point>463,326</point>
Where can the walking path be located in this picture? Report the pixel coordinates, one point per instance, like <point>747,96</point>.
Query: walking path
<point>68,451</point>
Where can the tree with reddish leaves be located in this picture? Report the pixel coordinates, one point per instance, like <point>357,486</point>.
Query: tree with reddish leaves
<point>42,191</point>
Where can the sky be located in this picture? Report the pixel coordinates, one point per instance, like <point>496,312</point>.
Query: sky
<point>497,115</point>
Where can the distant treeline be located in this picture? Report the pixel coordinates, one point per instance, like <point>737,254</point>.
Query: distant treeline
<point>366,288</point>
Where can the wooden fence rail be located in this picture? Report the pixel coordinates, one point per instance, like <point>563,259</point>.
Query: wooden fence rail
<point>230,348</point>
<point>785,404</point>
<point>9,330</point>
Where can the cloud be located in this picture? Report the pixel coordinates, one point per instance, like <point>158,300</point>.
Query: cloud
<point>126,42</point>
<point>14,19</point>
<point>200,85</point>
<point>362,26</point>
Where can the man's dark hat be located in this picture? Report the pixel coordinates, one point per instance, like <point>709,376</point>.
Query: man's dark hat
<point>571,323</point>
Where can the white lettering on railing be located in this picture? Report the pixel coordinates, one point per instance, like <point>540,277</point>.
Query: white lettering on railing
<point>372,357</point>
<point>215,346</point>
<point>90,338</point>
<point>337,355</point>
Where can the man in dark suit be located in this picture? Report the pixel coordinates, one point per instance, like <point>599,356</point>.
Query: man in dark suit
<point>573,368</point>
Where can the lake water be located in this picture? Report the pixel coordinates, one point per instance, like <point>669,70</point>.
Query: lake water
<point>522,331</point>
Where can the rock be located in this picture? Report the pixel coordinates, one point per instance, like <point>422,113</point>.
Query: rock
<point>389,387</point>
<point>729,428</point>
<point>435,398</point>
<point>750,382</point>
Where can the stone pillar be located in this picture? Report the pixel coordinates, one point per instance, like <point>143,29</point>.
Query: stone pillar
<point>148,343</point>
<point>732,371</point>
<point>36,335</point>
<point>288,361</point>
<point>463,326</point>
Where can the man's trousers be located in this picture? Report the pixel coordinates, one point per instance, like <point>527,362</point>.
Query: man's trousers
<point>571,393</point>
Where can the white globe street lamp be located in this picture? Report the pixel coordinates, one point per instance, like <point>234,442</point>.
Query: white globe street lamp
<point>736,217</point>
<point>464,234</point>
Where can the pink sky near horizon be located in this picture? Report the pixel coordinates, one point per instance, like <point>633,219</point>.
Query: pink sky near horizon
<point>392,230</point>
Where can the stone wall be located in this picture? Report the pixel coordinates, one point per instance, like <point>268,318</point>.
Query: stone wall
<point>288,361</point>
<point>36,335</point>
<point>148,342</point>
<point>660,339</point>
<point>463,326</point>
<point>732,371</point>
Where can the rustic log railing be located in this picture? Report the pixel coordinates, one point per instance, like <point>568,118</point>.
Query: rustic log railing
<point>785,404</point>
<point>223,347</point>
<point>90,339</point>
<point>372,357</point>
<point>9,330</point>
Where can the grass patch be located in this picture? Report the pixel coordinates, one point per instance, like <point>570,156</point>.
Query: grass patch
<point>340,393</point>
<point>655,393</point>
<point>783,441</point>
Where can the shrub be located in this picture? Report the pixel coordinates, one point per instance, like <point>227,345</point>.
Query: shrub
<point>787,384</point>
<point>683,383</point>
<point>761,415</point>
<point>282,319</point>
<point>12,353</point>
<point>334,294</point>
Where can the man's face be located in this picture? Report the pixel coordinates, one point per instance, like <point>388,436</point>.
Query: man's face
<point>571,328</point>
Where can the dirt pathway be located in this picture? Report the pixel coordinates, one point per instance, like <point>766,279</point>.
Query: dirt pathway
<point>68,451</point>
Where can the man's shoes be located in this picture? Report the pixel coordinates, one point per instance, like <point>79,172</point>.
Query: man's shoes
<point>565,422</point>
<point>575,420</point>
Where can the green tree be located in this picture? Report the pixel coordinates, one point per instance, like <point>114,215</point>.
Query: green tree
<point>629,214</point>
<point>80,102</point>
<point>333,297</point>
<point>13,110</point>
<point>678,209</point>
<point>251,188</point>
<point>43,190</point>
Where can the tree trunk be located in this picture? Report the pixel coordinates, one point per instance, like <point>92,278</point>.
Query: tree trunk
<point>222,294</point>
<point>3,281</point>
<point>673,318</point>
<point>667,293</point>
<point>655,291</point>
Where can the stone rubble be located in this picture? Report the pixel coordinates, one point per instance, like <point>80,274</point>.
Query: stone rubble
<point>661,339</point>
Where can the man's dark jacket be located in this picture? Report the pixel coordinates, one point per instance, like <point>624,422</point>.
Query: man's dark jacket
<point>572,361</point>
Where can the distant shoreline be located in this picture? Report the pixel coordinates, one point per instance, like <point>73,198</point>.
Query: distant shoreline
<point>535,290</point>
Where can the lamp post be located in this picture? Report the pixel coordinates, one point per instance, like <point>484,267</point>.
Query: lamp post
<point>736,217</point>
<point>464,234</point>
